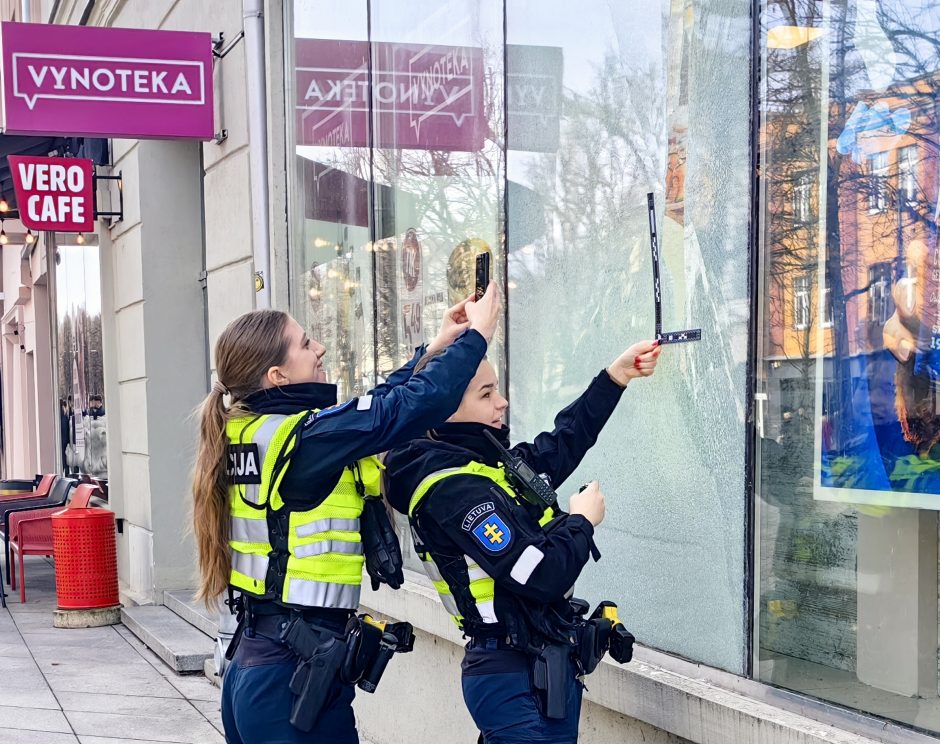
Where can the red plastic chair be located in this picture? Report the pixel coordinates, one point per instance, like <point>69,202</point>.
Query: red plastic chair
<point>31,532</point>
<point>40,492</point>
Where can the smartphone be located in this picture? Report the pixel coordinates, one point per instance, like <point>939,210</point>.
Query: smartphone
<point>483,274</point>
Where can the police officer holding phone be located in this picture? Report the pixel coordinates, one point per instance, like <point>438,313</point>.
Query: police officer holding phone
<point>286,511</point>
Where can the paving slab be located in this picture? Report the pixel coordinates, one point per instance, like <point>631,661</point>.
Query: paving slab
<point>179,644</point>
<point>109,740</point>
<point>212,712</point>
<point>19,649</point>
<point>84,638</point>
<point>28,696</point>
<point>112,680</point>
<point>18,665</point>
<point>104,654</point>
<point>33,719</point>
<point>191,728</point>
<point>19,736</point>
<point>96,702</point>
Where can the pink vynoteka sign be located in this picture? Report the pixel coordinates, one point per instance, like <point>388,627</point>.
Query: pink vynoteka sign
<point>106,82</point>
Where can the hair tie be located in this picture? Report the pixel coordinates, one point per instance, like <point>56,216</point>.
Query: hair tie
<point>219,387</point>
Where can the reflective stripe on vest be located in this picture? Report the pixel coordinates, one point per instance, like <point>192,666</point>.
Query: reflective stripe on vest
<point>324,545</point>
<point>252,566</point>
<point>328,525</point>
<point>249,530</point>
<point>322,594</point>
<point>262,437</point>
<point>447,599</point>
<point>482,587</point>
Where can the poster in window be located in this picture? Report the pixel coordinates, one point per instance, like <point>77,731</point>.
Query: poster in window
<point>877,423</point>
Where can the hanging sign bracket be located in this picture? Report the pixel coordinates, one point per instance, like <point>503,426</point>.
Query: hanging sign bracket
<point>117,216</point>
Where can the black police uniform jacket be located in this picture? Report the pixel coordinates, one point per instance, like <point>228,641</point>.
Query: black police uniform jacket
<point>528,611</point>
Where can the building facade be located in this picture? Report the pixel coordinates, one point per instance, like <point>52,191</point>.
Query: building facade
<point>771,533</point>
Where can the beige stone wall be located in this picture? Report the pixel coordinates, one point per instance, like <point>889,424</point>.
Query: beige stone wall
<point>187,208</point>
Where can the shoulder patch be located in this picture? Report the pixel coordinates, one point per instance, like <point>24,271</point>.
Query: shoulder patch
<point>327,412</point>
<point>475,513</point>
<point>493,534</point>
<point>365,403</point>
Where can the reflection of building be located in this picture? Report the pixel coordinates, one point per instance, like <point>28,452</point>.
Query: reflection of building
<point>884,183</point>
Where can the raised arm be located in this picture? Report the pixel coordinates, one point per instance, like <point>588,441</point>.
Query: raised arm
<point>558,452</point>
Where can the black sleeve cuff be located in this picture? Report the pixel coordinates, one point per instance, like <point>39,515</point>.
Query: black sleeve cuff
<point>605,384</point>
<point>475,339</point>
<point>583,522</point>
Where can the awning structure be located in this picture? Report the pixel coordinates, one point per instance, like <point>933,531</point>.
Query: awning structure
<point>11,144</point>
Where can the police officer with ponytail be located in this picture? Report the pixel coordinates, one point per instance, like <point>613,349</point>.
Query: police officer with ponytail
<point>504,561</point>
<point>286,512</point>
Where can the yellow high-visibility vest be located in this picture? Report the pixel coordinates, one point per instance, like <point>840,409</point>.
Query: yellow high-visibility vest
<point>324,544</point>
<point>482,587</point>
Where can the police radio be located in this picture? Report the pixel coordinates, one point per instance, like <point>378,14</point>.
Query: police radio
<point>525,480</point>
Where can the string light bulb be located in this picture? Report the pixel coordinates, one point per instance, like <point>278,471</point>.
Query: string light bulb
<point>80,239</point>
<point>30,238</point>
<point>3,235</point>
<point>4,204</point>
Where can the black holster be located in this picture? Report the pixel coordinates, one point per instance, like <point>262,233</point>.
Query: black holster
<point>593,642</point>
<point>551,675</point>
<point>597,635</point>
<point>237,607</point>
<point>362,645</point>
<point>321,658</point>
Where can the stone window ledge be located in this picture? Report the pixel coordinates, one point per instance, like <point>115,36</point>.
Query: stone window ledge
<point>695,702</point>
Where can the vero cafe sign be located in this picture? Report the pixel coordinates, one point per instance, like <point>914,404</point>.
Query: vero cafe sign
<point>54,193</point>
<point>106,82</point>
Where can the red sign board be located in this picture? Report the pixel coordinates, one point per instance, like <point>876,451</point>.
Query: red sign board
<point>106,82</point>
<point>423,96</point>
<point>55,194</point>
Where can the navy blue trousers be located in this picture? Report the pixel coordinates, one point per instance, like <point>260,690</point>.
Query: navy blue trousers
<point>497,688</point>
<point>256,700</point>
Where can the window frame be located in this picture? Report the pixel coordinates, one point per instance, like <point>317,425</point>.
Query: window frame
<point>878,182</point>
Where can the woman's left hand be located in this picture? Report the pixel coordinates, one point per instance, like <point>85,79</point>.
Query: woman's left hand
<point>455,322</point>
<point>637,361</point>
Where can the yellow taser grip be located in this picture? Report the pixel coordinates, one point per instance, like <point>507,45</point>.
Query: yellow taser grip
<point>373,622</point>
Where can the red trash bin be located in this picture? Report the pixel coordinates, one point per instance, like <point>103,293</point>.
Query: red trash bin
<point>83,543</point>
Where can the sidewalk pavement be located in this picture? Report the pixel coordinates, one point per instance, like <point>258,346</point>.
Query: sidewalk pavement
<point>91,685</point>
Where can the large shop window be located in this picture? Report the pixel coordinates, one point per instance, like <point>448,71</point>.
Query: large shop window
<point>428,131</point>
<point>848,456</point>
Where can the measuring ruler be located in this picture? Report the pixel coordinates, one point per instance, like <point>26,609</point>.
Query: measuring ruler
<point>671,337</point>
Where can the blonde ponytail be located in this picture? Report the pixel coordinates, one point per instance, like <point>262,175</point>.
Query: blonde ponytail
<point>210,500</point>
<point>246,349</point>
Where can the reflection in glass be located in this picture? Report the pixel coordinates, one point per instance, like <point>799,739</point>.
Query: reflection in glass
<point>848,418</point>
<point>80,368</point>
<point>657,101</point>
<point>438,117</point>
<point>331,260</point>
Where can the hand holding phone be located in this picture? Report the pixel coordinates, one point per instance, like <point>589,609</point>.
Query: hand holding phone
<point>482,274</point>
